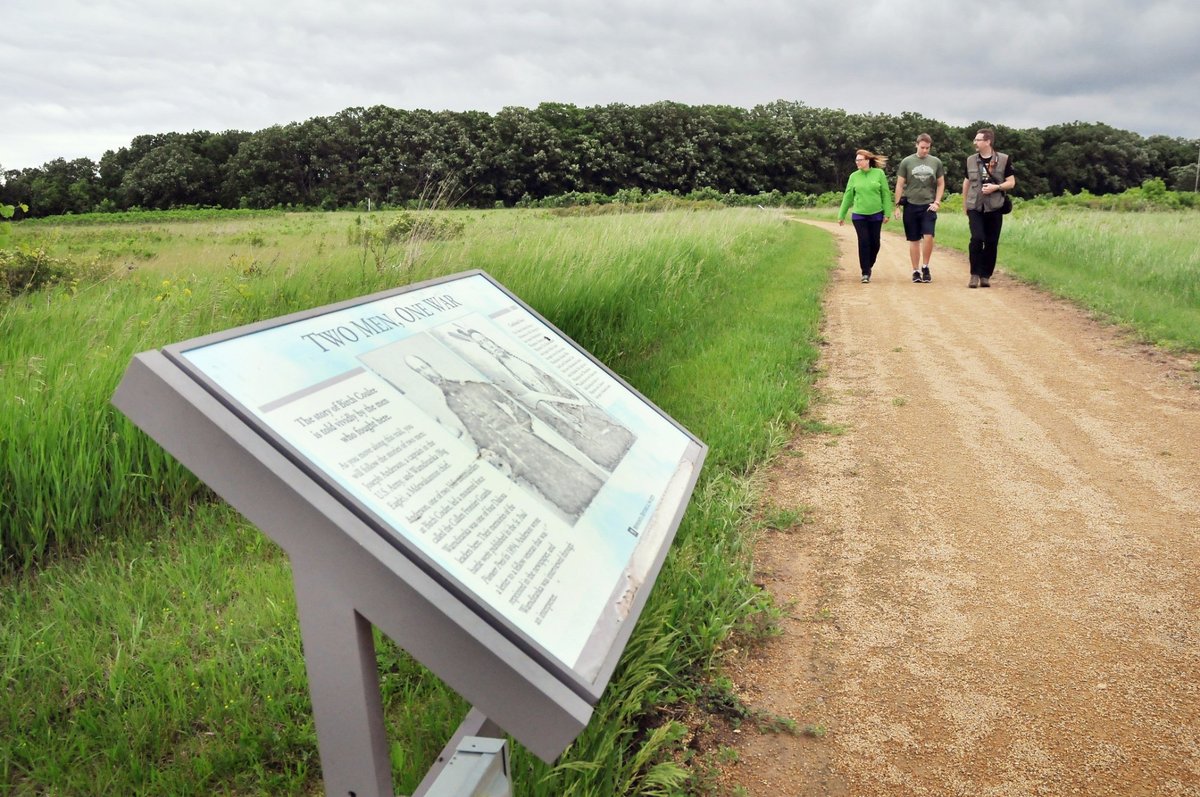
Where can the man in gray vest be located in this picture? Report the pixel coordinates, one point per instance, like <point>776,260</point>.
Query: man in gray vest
<point>920,183</point>
<point>989,176</point>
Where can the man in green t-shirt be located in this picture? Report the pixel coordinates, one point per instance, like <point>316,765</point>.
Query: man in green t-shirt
<point>920,183</point>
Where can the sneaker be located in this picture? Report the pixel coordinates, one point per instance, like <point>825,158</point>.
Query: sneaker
<point>866,278</point>
<point>974,283</point>
<point>916,276</point>
<point>925,276</point>
<point>984,283</point>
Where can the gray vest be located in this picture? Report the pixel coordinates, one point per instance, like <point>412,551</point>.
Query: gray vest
<point>976,199</point>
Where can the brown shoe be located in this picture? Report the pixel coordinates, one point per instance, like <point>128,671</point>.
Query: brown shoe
<point>983,282</point>
<point>974,283</point>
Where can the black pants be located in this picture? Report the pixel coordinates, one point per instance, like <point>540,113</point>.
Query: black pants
<point>868,242</point>
<point>985,237</point>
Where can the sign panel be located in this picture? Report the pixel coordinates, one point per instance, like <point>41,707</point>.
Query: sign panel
<point>480,441</point>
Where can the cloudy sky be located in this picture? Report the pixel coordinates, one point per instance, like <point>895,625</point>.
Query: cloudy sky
<point>78,78</point>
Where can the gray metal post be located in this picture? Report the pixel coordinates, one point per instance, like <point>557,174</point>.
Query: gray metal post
<point>343,680</point>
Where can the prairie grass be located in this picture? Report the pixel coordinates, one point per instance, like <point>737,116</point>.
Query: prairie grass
<point>68,461</point>
<point>166,661</point>
<point>1140,270</point>
<point>149,643</point>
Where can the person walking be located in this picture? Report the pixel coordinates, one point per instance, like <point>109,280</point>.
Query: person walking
<point>920,184</point>
<point>989,176</point>
<point>866,198</point>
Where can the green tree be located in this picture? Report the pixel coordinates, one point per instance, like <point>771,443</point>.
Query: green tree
<point>1172,159</point>
<point>62,186</point>
<point>169,169</point>
<point>614,142</point>
<point>114,164</point>
<point>270,170</point>
<point>1095,157</point>
<point>387,155</point>
<point>529,155</point>
<point>1183,178</point>
<point>170,176</point>
<point>15,187</point>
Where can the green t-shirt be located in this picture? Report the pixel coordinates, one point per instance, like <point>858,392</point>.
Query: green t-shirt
<point>920,178</point>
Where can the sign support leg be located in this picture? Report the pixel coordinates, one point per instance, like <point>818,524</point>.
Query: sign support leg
<point>343,680</point>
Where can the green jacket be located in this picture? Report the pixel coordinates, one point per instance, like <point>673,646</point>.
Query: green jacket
<point>867,193</point>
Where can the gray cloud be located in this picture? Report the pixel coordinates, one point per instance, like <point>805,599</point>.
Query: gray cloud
<point>80,78</point>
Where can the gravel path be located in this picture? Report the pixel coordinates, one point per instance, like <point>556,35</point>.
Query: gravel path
<point>996,589</point>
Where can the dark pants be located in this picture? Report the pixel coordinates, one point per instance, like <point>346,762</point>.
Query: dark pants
<point>868,242</point>
<point>985,237</point>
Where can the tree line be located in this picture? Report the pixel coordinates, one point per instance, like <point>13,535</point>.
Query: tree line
<point>394,157</point>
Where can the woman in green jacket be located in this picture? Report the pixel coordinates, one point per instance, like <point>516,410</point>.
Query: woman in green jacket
<point>867,198</point>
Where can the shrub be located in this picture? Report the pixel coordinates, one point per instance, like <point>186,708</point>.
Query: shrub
<point>1151,195</point>
<point>394,244</point>
<point>26,269</point>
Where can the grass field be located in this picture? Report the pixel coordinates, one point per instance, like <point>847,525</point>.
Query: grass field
<point>149,643</point>
<point>1141,270</point>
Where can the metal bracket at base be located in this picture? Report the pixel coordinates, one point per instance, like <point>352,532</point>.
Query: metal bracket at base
<point>478,768</point>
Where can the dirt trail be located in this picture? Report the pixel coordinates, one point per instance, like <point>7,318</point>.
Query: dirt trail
<point>996,589</point>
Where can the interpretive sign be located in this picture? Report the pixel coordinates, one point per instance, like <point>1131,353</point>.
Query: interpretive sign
<point>440,463</point>
<point>478,440</point>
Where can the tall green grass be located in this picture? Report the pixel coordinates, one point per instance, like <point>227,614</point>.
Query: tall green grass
<point>68,461</point>
<point>1141,270</point>
<point>169,664</point>
<point>151,646</point>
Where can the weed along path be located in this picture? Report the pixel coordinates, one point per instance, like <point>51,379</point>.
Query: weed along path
<point>994,584</point>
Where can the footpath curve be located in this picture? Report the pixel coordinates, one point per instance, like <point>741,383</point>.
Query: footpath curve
<point>995,588</point>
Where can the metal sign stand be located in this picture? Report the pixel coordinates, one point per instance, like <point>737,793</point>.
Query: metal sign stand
<point>351,577</point>
<point>344,589</point>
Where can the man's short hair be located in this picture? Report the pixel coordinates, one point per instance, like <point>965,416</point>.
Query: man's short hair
<point>926,138</point>
<point>987,133</point>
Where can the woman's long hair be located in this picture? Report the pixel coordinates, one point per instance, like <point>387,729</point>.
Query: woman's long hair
<point>878,161</point>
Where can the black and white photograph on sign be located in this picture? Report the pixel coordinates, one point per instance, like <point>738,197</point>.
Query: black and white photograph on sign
<point>481,438</point>
<point>525,376</point>
<point>500,430</point>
